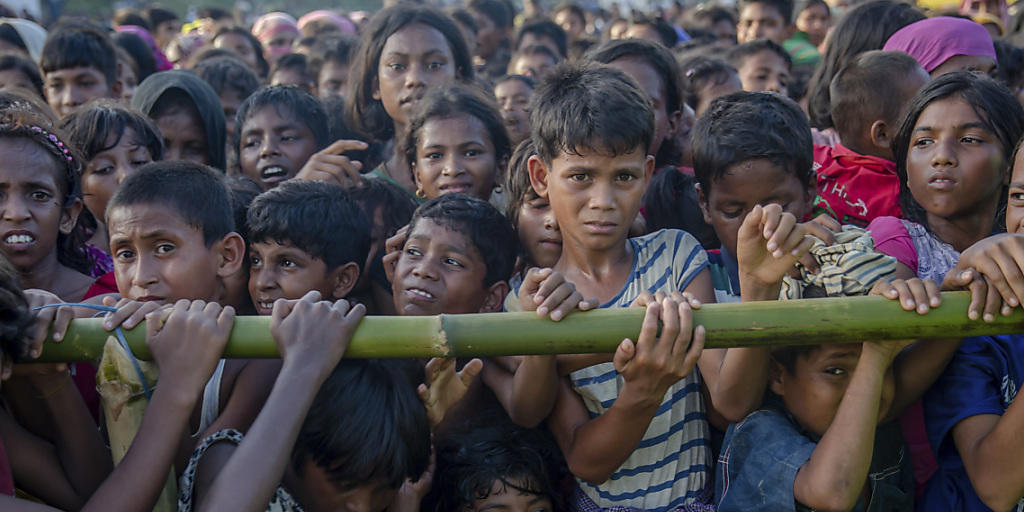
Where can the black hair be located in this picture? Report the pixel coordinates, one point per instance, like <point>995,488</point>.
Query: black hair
<point>209,52</point>
<point>195,193</point>
<point>739,54</point>
<point>322,219</point>
<point>534,49</point>
<point>158,15</point>
<point>77,45</point>
<point>129,16</point>
<point>372,156</point>
<point>139,51</point>
<point>518,188</point>
<point>366,422</point>
<point>586,106</point>
<point>454,101</point>
<point>998,110</point>
<point>496,10</point>
<point>544,28</point>
<point>10,35</point>
<point>336,49</point>
<point>472,460</point>
<point>666,33</point>
<point>1010,68</point>
<point>699,72</point>
<point>706,16</point>
<point>855,101</point>
<point>654,55</point>
<point>17,322</point>
<point>294,61</point>
<point>394,203</point>
<point>573,8</point>
<point>803,5</point>
<point>783,7</point>
<point>20,120</point>
<point>16,62</point>
<point>89,127</point>
<point>214,13</point>
<point>287,101</point>
<point>671,202</point>
<point>489,231</point>
<point>866,27</point>
<point>243,190</point>
<point>367,115</point>
<point>580,47</point>
<point>228,73</point>
<point>262,66</point>
<point>747,126</point>
<point>463,17</point>
<point>529,82</point>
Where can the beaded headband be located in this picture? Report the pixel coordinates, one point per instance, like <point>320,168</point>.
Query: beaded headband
<point>53,140</point>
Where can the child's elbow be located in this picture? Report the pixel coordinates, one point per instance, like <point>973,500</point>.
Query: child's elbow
<point>526,419</point>
<point>996,497</point>
<point>587,472</point>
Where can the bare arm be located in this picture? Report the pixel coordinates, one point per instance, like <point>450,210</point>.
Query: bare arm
<point>991,448</point>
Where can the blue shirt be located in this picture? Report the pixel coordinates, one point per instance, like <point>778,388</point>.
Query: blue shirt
<point>982,378</point>
<point>762,454</point>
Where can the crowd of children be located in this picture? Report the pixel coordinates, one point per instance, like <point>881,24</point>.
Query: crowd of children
<point>490,157</point>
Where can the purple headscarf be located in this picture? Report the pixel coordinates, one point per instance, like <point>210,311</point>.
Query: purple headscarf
<point>933,41</point>
<point>162,64</point>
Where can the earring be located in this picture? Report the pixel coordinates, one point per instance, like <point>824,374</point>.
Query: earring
<point>420,193</point>
<point>497,189</point>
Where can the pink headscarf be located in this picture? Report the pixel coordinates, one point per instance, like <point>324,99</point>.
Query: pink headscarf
<point>933,41</point>
<point>271,24</point>
<point>344,24</point>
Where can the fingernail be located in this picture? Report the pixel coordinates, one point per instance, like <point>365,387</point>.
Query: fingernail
<point>57,336</point>
<point>1013,302</point>
<point>989,318</point>
<point>557,315</point>
<point>922,308</point>
<point>35,354</point>
<point>965,274</point>
<point>972,314</point>
<point>543,310</point>
<point>772,245</point>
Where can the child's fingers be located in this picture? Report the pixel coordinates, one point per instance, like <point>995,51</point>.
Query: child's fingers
<point>588,304</point>
<point>1009,281</point>
<point>61,322</point>
<point>693,352</point>
<point>993,303</point>
<point>555,298</point>
<point>681,343</point>
<point>548,284</point>
<point>802,248</point>
<point>566,306</point>
<point>669,327</point>
<point>751,226</point>
<point>649,328</point>
<point>688,298</point>
<point>885,289</point>
<point>771,215</point>
<point>779,234</point>
<point>470,371</point>
<point>642,300</point>
<point>624,354</point>
<point>826,221</point>
<point>932,290</point>
<point>905,295</point>
<point>534,277</point>
<point>44,317</point>
<point>824,233</point>
<point>397,242</point>
<point>979,293</point>
<point>920,294</point>
<point>340,146</point>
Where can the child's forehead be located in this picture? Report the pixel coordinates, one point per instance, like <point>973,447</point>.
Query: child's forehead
<point>149,217</point>
<point>273,114</point>
<point>832,352</point>
<point>759,10</point>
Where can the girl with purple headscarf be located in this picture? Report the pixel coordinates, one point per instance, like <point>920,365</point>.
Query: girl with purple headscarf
<point>943,45</point>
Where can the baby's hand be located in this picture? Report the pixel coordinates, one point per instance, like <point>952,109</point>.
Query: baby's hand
<point>314,334</point>
<point>985,298</point>
<point>445,387</point>
<point>1000,258</point>
<point>330,164</point>
<point>654,363</point>
<point>770,242</point>
<point>549,294</point>
<point>915,293</point>
<point>187,340</point>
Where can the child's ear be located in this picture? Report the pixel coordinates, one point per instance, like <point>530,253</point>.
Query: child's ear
<point>230,253</point>
<point>648,169</point>
<point>117,87</point>
<point>702,200</point>
<point>674,119</point>
<point>539,174</point>
<point>495,298</point>
<point>777,379</point>
<point>376,88</point>
<point>343,280</point>
<point>881,134</point>
<point>69,217</point>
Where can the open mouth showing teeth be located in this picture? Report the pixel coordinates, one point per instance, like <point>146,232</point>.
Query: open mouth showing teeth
<point>19,239</point>
<point>273,172</point>
<point>265,304</point>
<point>420,293</point>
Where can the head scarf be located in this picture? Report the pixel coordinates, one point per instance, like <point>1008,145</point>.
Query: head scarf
<point>271,24</point>
<point>203,96</point>
<point>933,41</point>
<point>32,34</point>
<point>162,64</point>
<point>344,24</point>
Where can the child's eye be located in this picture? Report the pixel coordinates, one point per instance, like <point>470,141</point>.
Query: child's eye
<point>624,177</point>
<point>472,152</point>
<point>453,262</point>
<point>580,177</point>
<point>286,263</point>
<point>251,142</point>
<point>140,163</point>
<point>412,251</point>
<point>164,248</point>
<point>434,66</point>
<point>255,261</point>
<point>835,371</point>
<point>732,214</point>
<point>124,254</point>
<point>40,196</point>
<point>1016,196</point>
<point>971,140</point>
<point>433,156</point>
<point>396,66</point>
<point>103,170</point>
<point>919,143</point>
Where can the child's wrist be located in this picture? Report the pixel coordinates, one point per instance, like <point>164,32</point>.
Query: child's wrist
<point>639,398</point>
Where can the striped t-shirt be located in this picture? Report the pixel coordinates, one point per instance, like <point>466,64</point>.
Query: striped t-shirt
<point>669,467</point>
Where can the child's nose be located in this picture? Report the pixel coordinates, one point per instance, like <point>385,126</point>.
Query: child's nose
<point>944,154</point>
<point>15,208</point>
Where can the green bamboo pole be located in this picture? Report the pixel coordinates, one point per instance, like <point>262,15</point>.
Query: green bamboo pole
<point>810,321</point>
